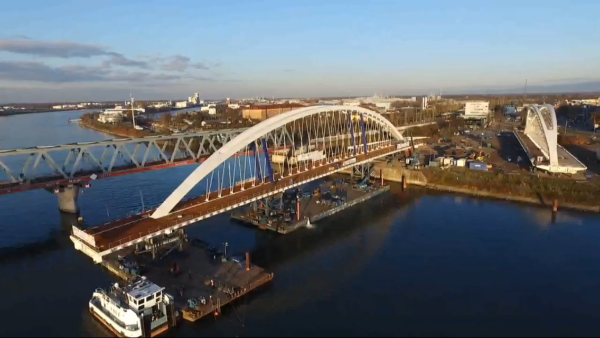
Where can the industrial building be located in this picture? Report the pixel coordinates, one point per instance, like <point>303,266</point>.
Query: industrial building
<point>477,109</point>
<point>182,104</point>
<point>384,103</point>
<point>476,113</point>
<point>263,112</point>
<point>116,115</point>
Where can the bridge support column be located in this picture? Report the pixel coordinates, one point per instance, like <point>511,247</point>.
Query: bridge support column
<point>67,199</point>
<point>182,238</point>
<point>152,248</point>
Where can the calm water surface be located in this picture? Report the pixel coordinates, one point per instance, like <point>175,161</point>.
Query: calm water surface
<point>408,264</point>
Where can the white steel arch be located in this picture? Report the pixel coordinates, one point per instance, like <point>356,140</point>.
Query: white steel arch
<point>542,129</point>
<point>250,135</point>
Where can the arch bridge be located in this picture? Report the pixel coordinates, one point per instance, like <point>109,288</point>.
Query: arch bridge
<point>318,141</point>
<point>540,142</point>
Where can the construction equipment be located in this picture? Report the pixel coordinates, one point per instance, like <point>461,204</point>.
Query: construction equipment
<point>481,156</point>
<point>363,183</point>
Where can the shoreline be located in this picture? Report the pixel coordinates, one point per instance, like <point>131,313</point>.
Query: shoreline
<point>97,109</point>
<point>108,132</point>
<point>511,198</point>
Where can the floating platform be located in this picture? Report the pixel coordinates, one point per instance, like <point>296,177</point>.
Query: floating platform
<point>203,275</point>
<point>311,209</point>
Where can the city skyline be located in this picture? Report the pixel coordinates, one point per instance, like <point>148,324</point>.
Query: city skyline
<point>77,52</point>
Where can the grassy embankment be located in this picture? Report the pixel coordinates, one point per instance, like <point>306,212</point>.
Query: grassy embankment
<point>117,130</point>
<point>128,131</point>
<point>518,187</point>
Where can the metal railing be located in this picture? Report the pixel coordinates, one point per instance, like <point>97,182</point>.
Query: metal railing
<point>222,207</point>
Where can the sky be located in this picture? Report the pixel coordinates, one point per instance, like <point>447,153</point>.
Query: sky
<point>53,51</point>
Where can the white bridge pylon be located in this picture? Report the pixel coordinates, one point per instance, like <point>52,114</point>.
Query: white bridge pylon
<point>541,127</point>
<point>306,125</point>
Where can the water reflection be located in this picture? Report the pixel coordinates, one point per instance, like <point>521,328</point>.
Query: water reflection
<point>544,217</point>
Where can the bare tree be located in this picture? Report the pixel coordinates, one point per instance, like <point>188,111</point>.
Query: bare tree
<point>166,119</point>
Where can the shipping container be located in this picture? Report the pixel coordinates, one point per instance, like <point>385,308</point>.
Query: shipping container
<point>447,161</point>
<point>478,166</point>
<point>434,163</point>
<point>461,162</point>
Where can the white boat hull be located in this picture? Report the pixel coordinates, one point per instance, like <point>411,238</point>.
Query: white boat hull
<point>111,324</point>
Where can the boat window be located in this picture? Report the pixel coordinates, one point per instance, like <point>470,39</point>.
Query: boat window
<point>140,307</point>
<point>149,298</point>
<point>159,294</point>
<point>140,301</point>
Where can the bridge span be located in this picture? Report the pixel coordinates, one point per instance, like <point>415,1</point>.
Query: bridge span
<point>239,173</point>
<point>55,167</point>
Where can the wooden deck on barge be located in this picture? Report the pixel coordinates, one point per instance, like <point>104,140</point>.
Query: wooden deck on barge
<point>116,233</point>
<point>231,280</point>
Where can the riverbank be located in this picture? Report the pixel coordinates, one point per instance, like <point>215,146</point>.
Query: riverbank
<point>520,199</point>
<point>523,188</point>
<point>116,131</point>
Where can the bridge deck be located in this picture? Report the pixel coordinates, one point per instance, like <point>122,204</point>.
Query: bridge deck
<point>565,159</point>
<point>530,148</point>
<point>111,235</point>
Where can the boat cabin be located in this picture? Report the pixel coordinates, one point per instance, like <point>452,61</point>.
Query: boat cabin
<point>143,295</point>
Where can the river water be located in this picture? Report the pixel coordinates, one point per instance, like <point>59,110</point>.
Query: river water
<point>407,264</point>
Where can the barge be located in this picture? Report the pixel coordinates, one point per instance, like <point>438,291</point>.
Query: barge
<point>301,209</point>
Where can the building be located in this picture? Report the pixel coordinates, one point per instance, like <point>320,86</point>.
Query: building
<point>181,104</point>
<point>384,103</point>
<point>194,100</point>
<point>263,112</point>
<point>65,106</point>
<point>159,105</point>
<point>330,102</point>
<point>477,108</point>
<point>116,115</point>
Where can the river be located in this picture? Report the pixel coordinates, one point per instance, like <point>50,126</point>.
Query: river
<point>408,264</point>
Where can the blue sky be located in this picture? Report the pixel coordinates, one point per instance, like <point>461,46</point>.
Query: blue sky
<point>77,50</point>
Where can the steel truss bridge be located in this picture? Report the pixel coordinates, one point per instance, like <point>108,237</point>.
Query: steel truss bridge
<point>46,167</point>
<point>540,142</point>
<point>280,153</point>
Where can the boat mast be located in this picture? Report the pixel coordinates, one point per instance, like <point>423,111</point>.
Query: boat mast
<point>132,111</point>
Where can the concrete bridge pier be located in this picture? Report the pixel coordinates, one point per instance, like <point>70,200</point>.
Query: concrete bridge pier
<point>67,198</point>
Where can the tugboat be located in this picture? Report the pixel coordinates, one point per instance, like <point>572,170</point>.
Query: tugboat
<point>140,309</point>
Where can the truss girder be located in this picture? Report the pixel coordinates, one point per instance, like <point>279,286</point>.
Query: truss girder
<point>103,157</point>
